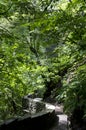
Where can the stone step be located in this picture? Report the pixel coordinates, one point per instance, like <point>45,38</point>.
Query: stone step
<point>62,122</point>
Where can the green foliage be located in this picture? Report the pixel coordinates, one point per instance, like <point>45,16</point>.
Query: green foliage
<point>74,90</point>
<point>42,41</point>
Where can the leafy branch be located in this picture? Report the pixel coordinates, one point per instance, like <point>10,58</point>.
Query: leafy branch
<point>6,11</point>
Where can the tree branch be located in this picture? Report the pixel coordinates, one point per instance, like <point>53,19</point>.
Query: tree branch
<point>3,13</point>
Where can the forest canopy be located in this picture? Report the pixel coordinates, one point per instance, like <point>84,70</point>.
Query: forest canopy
<point>42,47</point>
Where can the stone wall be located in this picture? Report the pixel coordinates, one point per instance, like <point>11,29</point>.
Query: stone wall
<point>37,115</point>
<point>33,105</point>
<point>43,121</point>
